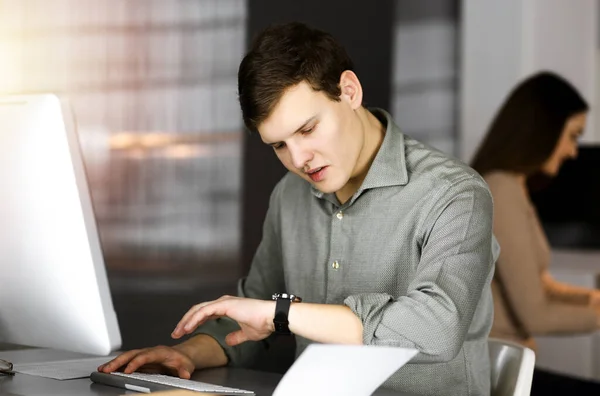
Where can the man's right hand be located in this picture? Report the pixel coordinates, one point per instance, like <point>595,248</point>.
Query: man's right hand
<point>180,360</point>
<point>159,359</point>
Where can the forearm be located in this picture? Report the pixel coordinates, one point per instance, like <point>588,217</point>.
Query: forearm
<point>325,323</point>
<point>557,318</point>
<point>204,351</point>
<point>565,292</point>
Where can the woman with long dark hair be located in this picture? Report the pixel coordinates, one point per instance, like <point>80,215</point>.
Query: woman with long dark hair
<point>534,132</point>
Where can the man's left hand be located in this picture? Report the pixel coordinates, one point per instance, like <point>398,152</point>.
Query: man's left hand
<point>255,318</point>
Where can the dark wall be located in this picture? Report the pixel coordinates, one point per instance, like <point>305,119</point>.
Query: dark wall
<point>365,30</point>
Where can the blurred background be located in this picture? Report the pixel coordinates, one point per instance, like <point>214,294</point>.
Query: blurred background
<point>180,189</point>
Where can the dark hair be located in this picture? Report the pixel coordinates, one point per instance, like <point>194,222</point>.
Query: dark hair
<point>283,56</point>
<point>529,124</point>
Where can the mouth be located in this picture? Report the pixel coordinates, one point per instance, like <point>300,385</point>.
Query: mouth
<point>317,174</point>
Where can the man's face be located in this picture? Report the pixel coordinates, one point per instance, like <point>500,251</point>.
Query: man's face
<point>315,137</point>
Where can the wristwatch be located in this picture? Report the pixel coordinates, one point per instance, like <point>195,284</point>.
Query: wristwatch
<point>282,308</point>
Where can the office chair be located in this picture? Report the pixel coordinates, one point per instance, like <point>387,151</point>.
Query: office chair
<point>512,368</point>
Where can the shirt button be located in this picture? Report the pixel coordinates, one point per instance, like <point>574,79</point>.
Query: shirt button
<point>335,265</point>
<point>339,215</point>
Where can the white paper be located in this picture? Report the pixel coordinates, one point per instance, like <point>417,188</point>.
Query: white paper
<point>63,369</point>
<point>349,370</point>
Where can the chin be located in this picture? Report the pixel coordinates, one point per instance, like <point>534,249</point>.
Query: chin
<point>550,172</point>
<point>328,187</point>
<point>324,188</point>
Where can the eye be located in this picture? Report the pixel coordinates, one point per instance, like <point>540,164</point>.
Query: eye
<point>308,130</point>
<point>278,146</point>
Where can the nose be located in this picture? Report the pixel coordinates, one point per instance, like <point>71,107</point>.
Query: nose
<point>574,151</point>
<point>299,155</point>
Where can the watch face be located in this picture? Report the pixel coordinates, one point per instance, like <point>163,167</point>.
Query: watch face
<point>286,296</point>
<point>294,298</point>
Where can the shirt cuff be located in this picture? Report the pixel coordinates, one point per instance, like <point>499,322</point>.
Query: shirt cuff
<point>242,355</point>
<point>369,307</point>
<point>218,329</point>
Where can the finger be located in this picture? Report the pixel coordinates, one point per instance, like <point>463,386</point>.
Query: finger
<point>178,331</point>
<point>199,317</point>
<point>182,333</point>
<point>204,304</point>
<point>236,338</point>
<point>191,312</point>
<point>181,366</point>
<point>215,309</point>
<point>168,362</point>
<point>143,359</point>
<point>183,373</point>
<point>119,361</point>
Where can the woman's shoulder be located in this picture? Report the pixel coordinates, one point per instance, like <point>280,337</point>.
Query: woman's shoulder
<point>506,187</point>
<point>501,178</point>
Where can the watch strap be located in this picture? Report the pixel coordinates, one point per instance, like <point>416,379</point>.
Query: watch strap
<point>282,308</point>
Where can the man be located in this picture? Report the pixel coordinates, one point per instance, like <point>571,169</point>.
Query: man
<point>387,241</point>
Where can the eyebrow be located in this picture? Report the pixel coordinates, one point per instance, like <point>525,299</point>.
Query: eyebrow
<point>311,119</point>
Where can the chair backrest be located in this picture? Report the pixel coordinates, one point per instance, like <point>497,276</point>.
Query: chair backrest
<point>512,368</point>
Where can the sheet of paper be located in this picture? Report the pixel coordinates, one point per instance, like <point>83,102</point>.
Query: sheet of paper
<point>63,369</point>
<point>349,370</point>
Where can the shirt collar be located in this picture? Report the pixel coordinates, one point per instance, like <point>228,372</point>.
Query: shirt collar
<point>388,167</point>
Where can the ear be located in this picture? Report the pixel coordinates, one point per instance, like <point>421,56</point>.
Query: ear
<point>351,89</point>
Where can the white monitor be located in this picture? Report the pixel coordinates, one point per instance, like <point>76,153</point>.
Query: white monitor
<point>54,291</point>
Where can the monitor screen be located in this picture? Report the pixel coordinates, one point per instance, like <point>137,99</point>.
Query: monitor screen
<point>54,290</point>
<point>569,204</point>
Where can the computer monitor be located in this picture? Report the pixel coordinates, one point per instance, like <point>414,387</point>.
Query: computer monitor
<point>54,291</point>
<point>569,204</point>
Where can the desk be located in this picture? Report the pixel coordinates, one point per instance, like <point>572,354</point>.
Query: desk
<point>26,385</point>
<point>263,383</point>
<point>578,354</point>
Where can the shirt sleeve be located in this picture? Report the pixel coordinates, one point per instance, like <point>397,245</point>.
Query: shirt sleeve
<point>265,276</point>
<point>456,264</point>
<point>521,275</point>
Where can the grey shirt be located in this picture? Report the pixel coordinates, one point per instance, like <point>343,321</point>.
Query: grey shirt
<point>411,253</point>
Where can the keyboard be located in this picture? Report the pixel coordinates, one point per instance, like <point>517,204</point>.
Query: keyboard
<point>143,382</point>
